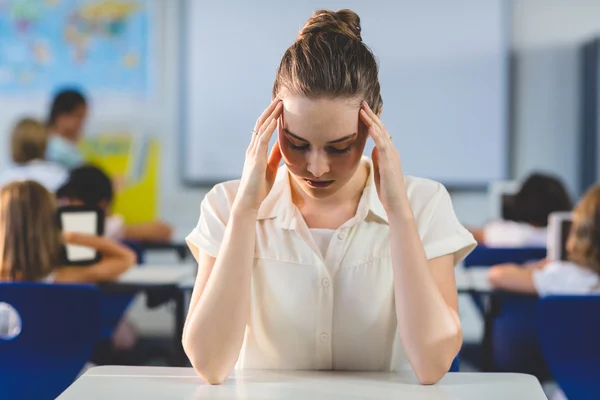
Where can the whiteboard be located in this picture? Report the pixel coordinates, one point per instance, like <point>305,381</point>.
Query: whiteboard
<point>443,74</point>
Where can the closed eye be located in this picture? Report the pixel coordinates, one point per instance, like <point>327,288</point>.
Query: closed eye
<point>298,148</point>
<point>341,151</point>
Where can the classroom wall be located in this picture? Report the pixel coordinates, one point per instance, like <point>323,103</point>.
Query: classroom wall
<point>547,35</point>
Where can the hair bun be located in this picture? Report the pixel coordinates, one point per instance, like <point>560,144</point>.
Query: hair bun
<point>344,22</point>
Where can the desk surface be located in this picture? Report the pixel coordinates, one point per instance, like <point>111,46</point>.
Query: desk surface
<point>473,279</point>
<point>182,383</point>
<point>158,275</point>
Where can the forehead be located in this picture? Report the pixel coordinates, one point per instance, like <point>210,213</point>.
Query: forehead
<point>320,119</point>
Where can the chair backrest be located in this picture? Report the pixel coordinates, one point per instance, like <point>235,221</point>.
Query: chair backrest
<point>455,367</point>
<point>60,326</point>
<point>483,256</point>
<point>138,249</point>
<point>569,335</point>
<point>512,335</point>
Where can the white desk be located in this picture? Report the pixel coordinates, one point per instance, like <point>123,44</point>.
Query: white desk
<point>153,383</point>
<point>158,275</point>
<point>475,279</point>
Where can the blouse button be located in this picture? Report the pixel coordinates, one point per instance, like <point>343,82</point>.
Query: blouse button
<point>342,235</point>
<point>325,282</point>
<point>324,337</point>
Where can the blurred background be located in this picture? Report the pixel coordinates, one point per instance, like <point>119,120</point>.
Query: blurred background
<point>477,94</point>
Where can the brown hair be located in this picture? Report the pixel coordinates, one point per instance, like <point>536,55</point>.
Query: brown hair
<point>585,231</point>
<point>330,60</point>
<point>28,141</point>
<point>30,239</point>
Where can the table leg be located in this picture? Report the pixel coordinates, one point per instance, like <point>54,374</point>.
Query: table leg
<point>179,359</point>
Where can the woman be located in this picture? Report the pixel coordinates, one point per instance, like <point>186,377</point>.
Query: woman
<point>29,141</point>
<point>331,261</point>
<point>65,123</point>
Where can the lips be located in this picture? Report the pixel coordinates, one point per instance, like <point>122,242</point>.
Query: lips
<point>318,184</point>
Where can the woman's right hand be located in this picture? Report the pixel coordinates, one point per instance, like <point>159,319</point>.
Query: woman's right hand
<point>260,167</point>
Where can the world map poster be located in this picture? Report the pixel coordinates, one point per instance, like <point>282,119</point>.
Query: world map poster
<point>98,44</point>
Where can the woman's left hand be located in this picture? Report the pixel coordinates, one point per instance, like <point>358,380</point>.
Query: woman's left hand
<point>386,162</point>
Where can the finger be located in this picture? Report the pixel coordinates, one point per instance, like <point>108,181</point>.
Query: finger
<point>273,116</point>
<point>373,116</point>
<point>265,137</point>
<point>275,156</point>
<point>261,120</point>
<point>375,158</point>
<point>253,142</point>
<point>374,130</point>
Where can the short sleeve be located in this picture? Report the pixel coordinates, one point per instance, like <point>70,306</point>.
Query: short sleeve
<point>561,277</point>
<point>114,227</point>
<point>440,230</point>
<point>214,215</point>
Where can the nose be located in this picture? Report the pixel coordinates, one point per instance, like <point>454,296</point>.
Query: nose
<point>318,163</point>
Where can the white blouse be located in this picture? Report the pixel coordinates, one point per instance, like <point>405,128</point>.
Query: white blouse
<point>50,175</point>
<point>565,278</point>
<point>314,312</point>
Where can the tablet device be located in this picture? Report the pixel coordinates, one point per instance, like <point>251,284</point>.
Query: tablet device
<point>559,227</point>
<point>81,219</point>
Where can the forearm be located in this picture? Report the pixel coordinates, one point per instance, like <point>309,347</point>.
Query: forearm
<point>513,278</point>
<point>148,232</point>
<point>429,327</point>
<point>106,270</point>
<point>215,327</point>
<point>103,245</point>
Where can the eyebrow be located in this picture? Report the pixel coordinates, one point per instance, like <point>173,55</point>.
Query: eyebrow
<point>342,139</point>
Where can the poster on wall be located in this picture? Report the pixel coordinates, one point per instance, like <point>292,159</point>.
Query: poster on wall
<point>102,45</point>
<point>132,162</point>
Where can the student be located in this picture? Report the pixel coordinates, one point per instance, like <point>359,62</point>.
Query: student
<point>65,123</point>
<point>28,147</point>
<point>526,225</point>
<point>579,275</point>
<point>89,185</point>
<point>332,261</point>
<point>32,241</point>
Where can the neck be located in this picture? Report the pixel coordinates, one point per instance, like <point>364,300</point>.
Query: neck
<point>62,134</point>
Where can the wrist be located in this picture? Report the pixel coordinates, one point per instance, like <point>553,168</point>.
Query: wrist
<point>239,212</point>
<point>400,208</point>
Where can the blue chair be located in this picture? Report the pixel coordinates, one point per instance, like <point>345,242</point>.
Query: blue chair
<point>138,249</point>
<point>569,332</point>
<point>455,367</point>
<point>483,256</point>
<point>112,309</point>
<point>60,328</point>
<point>510,337</point>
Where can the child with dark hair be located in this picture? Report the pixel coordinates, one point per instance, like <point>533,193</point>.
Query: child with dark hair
<point>579,275</point>
<point>65,122</point>
<point>526,223</point>
<point>89,185</point>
